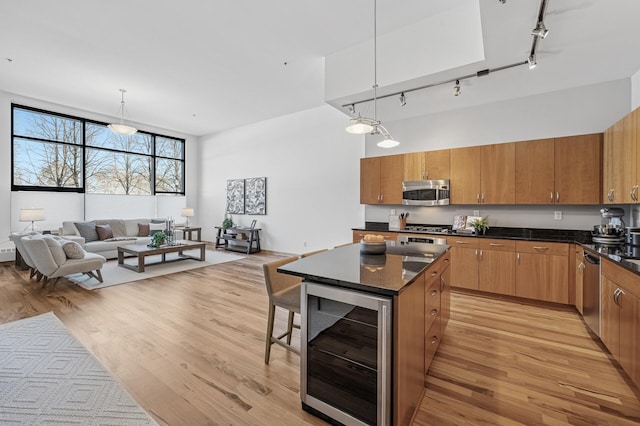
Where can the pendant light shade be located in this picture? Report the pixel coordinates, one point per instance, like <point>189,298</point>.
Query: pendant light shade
<point>364,125</point>
<point>121,128</point>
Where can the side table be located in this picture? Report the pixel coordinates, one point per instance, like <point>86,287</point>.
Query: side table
<point>228,238</point>
<point>187,233</point>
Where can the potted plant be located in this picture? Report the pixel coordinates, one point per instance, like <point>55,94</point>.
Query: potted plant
<point>480,225</point>
<point>158,239</point>
<point>227,223</point>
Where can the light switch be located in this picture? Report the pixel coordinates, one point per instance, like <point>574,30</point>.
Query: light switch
<point>557,215</point>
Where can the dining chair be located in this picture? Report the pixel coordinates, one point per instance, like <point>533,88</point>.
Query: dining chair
<point>284,292</point>
<point>311,253</point>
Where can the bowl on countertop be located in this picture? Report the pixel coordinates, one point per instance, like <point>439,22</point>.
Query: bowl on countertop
<point>373,247</point>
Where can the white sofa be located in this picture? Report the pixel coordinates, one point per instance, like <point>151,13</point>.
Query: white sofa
<point>125,231</point>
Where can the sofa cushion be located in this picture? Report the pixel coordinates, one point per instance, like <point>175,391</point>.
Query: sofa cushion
<point>118,227</point>
<point>104,232</point>
<point>73,250</point>
<point>143,230</point>
<point>87,230</point>
<point>55,246</point>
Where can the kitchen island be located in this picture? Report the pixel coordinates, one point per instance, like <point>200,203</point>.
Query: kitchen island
<point>371,325</point>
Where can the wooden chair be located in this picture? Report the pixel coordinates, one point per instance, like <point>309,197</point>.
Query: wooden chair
<point>311,253</point>
<point>283,291</point>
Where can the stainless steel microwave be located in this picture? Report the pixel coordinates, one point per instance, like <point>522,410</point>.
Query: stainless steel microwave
<point>425,193</point>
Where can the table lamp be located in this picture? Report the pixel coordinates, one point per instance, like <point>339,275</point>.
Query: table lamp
<point>31,215</point>
<point>187,212</point>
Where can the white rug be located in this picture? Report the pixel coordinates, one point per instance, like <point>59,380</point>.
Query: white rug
<point>47,377</point>
<point>112,274</point>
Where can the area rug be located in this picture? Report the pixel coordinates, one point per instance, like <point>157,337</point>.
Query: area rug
<point>48,377</point>
<point>112,274</point>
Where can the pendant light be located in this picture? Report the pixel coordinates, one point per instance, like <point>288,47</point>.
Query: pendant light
<point>363,125</point>
<point>121,128</point>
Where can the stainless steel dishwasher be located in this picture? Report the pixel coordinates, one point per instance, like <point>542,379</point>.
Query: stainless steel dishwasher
<point>591,292</point>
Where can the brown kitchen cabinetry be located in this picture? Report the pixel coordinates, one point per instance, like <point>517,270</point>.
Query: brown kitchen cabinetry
<point>564,170</point>
<point>433,165</point>
<point>483,264</point>
<point>381,179</point>
<point>483,174</point>
<point>388,236</point>
<point>620,313</point>
<point>542,271</point>
<point>579,278</point>
<point>621,161</point>
<point>437,302</point>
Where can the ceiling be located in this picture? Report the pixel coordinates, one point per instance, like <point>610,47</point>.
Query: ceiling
<point>203,66</point>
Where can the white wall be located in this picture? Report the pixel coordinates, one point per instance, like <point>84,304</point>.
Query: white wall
<point>635,90</point>
<point>58,206</point>
<point>312,170</point>
<point>582,110</point>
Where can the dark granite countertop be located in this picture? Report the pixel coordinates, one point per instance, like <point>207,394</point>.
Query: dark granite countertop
<point>384,274</point>
<point>622,255</point>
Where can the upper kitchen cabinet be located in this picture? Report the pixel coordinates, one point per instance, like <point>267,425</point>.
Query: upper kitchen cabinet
<point>381,179</point>
<point>578,169</point>
<point>535,172</point>
<point>433,165</point>
<point>621,161</point>
<point>483,174</point>
<point>563,170</point>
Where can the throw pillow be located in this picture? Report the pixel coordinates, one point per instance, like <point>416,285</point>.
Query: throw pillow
<point>73,250</point>
<point>143,230</point>
<point>104,232</point>
<point>156,227</point>
<point>88,231</point>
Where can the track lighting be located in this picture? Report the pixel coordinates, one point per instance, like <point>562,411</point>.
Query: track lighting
<point>456,89</point>
<point>532,61</point>
<point>352,109</point>
<point>403,99</point>
<point>540,30</point>
<point>502,1</point>
<point>361,125</point>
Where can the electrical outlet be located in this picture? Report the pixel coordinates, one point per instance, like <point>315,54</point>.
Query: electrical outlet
<point>557,215</point>
<point>476,212</point>
<point>393,212</point>
<point>304,244</point>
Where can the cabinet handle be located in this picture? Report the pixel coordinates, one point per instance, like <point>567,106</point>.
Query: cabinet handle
<point>482,198</point>
<point>382,197</point>
<point>478,197</point>
<point>609,195</point>
<point>634,191</point>
<point>446,261</point>
<point>518,258</point>
<point>616,293</point>
<point>613,193</point>
<point>581,267</point>
<point>551,197</point>
<point>495,245</point>
<point>557,197</point>
<point>433,274</point>
<point>434,293</point>
<point>434,312</point>
<point>434,340</point>
<point>461,242</point>
<point>443,283</point>
<point>540,248</point>
<point>476,252</point>
<point>631,194</point>
<point>480,254</point>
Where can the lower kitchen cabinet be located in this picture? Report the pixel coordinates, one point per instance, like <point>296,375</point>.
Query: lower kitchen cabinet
<point>437,305</point>
<point>579,279</point>
<point>620,316</point>
<point>483,264</point>
<point>542,271</point>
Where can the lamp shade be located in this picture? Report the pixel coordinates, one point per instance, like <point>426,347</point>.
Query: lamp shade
<point>31,215</point>
<point>187,212</point>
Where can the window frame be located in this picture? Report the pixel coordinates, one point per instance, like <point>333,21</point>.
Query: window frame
<point>83,147</point>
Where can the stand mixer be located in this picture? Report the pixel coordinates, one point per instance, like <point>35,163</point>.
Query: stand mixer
<point>611,229</point>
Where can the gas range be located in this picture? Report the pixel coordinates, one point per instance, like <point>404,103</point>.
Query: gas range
<point>427,229</point>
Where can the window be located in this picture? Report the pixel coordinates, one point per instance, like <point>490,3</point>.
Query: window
<point>54,152</point>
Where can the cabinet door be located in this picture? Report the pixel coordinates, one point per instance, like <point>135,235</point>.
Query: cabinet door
<point>620,158</point>
<point>579,277</point>
<point>465,175</point>
<point>437,164</point>
<point>531,270</point>
<point>414,166</point>
<point>535,172</point>
<point>370,180</point>
<point>608,165</point>
<point>464,272</point>
<point>578,169</point>
<point>629,334</point>
<point>610,317</point>
<point>391,179</point>
<point>498,174</point>
<point>497,271</point>
<point>556,288</point>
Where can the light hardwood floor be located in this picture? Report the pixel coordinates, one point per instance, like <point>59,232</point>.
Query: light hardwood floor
<point>189,347</point>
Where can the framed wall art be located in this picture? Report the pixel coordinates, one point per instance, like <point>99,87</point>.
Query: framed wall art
<point>255,195</point>
<point>235,196</point>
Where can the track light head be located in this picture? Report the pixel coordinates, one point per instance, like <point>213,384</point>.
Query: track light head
<point>352,109</point>
<point>502,1</point>
<point>532,61</point>
<point>456,89</point>
<point>540,30</point>
<point>403,99</point>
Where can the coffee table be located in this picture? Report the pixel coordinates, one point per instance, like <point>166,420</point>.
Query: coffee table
<point>141,251</point>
